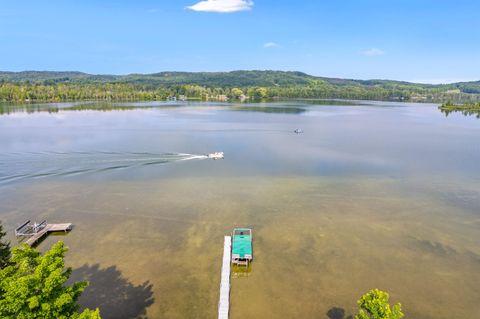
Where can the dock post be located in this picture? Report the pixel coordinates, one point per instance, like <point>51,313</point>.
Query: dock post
<point>224,301</point>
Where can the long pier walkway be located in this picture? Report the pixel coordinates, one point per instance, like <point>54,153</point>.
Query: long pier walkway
<point>224,301</point>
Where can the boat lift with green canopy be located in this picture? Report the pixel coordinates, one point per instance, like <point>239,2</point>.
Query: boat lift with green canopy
<point>242,252</point>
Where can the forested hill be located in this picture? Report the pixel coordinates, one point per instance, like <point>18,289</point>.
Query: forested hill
<point>211,79</point>
<point>48,85</point>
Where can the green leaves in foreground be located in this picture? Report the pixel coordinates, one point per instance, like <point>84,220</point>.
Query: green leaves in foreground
<point>33,286</point>
<point>374,305</point>
<point>4,249</point>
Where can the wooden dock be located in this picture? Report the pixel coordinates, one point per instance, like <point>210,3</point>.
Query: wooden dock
<point>224,300</point>
<point>35,232</point>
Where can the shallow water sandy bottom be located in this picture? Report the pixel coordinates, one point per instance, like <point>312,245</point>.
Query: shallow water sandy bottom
<point>154,247</point>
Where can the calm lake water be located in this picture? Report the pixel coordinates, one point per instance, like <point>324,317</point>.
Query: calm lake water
<point>372,195</point>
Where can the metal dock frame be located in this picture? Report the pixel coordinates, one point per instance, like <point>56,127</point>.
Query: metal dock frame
<point>35,232</point>
<point>224,301</point>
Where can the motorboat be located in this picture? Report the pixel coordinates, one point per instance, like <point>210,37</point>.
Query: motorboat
<point>298,131</point>
<point>216,155</point>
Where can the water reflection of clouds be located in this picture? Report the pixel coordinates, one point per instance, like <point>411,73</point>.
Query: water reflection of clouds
<point>26,115</point>
<point>330,113</point>
<point>200,111</point>
<point>337,139</point>
<point>298,154</point>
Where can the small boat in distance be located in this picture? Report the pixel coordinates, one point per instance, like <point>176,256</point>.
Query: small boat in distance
<point>216,155</point>
<point>298,131</point>
<point>242,252</point>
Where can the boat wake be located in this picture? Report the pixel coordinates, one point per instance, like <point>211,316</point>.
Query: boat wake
<point>33,165</point>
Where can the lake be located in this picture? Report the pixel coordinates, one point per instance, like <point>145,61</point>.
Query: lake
<point>371,195</point>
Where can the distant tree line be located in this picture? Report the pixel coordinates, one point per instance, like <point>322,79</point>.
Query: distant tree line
<point>28,92</point>
<point>253,85</point>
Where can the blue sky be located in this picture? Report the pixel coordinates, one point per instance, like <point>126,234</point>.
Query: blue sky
<point>413,40</point>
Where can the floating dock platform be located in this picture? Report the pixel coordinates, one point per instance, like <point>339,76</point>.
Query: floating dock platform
<point>35,232</point>
<point>242,251</point>
<point>224,300</point>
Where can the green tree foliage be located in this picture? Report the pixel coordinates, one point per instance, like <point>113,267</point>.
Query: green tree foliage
<point>76,86</point>
<point>34,286</point>
<point>236,93</point>
<point>448,104</point>
<point>4,249</point>
<point>257,93</point>
<point>467,109</point>
<point>374,305</point>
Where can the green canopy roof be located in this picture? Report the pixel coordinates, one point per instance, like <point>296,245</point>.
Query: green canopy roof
<point>242,245</point>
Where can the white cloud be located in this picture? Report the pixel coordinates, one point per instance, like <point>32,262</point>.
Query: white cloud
<point>222,6</point>
<point>373,52</point>
<point>270,45</point>
<point>442,81</point>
